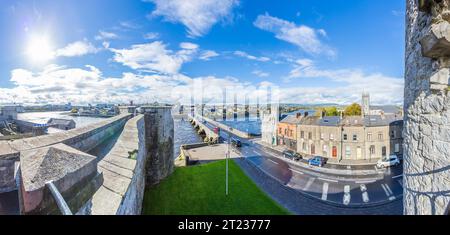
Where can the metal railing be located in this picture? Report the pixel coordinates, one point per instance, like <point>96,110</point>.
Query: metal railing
<point>62,205</point>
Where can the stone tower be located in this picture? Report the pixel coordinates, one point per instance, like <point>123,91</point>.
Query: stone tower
<point>365,104</point>
<point>159,136</point>
<point>427,108</point>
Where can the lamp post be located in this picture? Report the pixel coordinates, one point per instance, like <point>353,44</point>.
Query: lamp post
<point>226,164</point>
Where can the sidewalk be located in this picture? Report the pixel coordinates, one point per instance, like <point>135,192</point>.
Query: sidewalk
<point>331,161</point>
<point>356,171</point>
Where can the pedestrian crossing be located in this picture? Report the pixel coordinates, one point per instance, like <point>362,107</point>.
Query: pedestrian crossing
<point>388,191</point>
<point>363,192</point>
<point>324,191</point>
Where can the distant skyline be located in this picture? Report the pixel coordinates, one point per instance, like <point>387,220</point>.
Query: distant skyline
<point>313,51</point>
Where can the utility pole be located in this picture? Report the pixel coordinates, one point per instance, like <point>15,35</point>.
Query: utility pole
<point>226,163</point>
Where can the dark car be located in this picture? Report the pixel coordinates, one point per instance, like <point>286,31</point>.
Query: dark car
<point>292,155</point>
<point>236,142</point>
<point>317,161</point>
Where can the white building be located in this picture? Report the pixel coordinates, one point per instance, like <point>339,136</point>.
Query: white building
<point>269,123</point>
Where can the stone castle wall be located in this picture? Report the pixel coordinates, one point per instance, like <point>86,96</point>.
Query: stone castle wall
<point>427,108</point>
<point>84,139</point>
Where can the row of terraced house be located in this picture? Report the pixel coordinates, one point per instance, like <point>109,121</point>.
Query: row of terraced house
<point>370,136</point>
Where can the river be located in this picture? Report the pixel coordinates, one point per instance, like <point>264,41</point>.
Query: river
<point>184,132</point>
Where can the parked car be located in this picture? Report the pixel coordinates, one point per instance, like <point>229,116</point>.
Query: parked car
<point>236,142</point>
<point>317,161</point>
<point>292,155</point>
<point>392,160</point>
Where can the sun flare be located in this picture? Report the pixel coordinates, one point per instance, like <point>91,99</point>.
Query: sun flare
<point>39,49</point>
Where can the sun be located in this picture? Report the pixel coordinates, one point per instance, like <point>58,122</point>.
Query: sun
<point>39,49</point>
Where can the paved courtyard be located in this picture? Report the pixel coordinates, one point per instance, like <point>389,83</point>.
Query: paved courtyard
<point>211,153</point>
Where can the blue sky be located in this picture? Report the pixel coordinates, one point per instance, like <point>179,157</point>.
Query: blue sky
<point>310,51</point>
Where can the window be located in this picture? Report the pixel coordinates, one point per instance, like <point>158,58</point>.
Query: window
<point>313,149</point>
<point>397,148</point>
<point>355,137</point>
<point>325,150</point>
<point>369,136</point>
<point>304,147</point>
<point>302,134</point>
<point>345,136</point>
<point>392,134</point>
<point>334,153</point>
<point>285,132</point>
<point>292,133</point>
<point>383,151</point>
<point>331,137</point>
<point>310,135</point>
<point>372,150</point>
<point>380,136</point>
<point>280,131</point>
<point>348,152</point>
<point>322,136</point>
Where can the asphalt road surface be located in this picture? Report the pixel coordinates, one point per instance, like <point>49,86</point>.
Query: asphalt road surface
<point>350,191</point>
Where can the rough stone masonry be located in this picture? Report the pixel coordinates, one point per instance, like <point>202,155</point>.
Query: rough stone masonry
<point>427,108</point>
<point>159,134</point>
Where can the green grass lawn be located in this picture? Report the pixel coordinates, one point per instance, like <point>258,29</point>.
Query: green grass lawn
<point>200,190</point>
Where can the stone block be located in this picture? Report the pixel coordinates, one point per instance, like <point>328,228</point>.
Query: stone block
<point>436,43</point>
<point>441,77</point>
<point>69,169</point>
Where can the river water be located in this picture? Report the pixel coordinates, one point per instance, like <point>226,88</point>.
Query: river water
<point>43,117</point>
<point>184,132</point>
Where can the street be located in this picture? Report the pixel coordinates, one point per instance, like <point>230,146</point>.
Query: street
<point>347,190</point>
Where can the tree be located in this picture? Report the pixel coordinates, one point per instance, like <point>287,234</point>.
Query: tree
<point>353,110</point>
<point>329,111</point>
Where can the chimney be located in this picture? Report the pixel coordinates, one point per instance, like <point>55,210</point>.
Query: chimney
<point>306,114</point>
<point>382,115</point>
<point>322,115</point>
<point>299,115</point>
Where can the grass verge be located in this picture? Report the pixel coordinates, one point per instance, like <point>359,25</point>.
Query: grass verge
<point>200,190</point>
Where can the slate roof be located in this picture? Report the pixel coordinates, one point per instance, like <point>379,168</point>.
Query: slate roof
<point>387,109</point>
<point>57,121</point>
<point>368,121</point>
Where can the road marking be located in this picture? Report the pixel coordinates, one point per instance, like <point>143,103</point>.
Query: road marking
<point>392,198</point>
<point>389,189</point>
<point>274,162</point>
<point>310,181</point>
<point>365,194</point>
<point>386,190</point>
<point>329,180</point>
<point>347,189</point>
<point>400,181</point>
<point>324,191</point>
<point>398,176</point>
<point>347,197</point>
<point>298,172</point>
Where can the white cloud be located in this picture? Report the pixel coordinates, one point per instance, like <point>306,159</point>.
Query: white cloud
<point>104,35</point>
<point>260,73</point>
<point>197,15</point>
<point>188,46</point>
<point>78,48</point>
<point>251,57</point>
<point>352,82</point>
<point>58,84</point>
<point>151,36</point>
<point>206,55</point>
<point>155,57</point>
<point>304,37</point>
